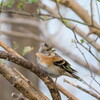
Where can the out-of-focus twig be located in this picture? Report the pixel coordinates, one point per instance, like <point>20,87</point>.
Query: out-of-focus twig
<point>83,89</point>
<point>80,11</point>
<point>27,35</point>
<point>71,25</point>
<point>79,31</point>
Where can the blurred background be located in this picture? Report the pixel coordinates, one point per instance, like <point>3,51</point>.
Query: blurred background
<point>20,31</point>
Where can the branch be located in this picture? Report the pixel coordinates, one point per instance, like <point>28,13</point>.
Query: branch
<point>29,35</point>
<point>35,69</point>
<point>80,11</point>
<point>84,35</point>
<point>71,25</point>
<point>21,21</point>
<point>89,50</point>
<point>40,15</point>
<point>66,93</point>
<point>18,96</point>
<point>7,48</point>
<point>17,12</point>
<point>79,31</point>
<point>81,88</point>
<point>18,83</point>
<point>30,83</point>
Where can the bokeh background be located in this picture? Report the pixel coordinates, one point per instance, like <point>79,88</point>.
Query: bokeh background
<point>20,31</point>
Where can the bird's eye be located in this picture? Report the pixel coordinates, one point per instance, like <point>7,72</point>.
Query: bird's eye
<point>49,49</point>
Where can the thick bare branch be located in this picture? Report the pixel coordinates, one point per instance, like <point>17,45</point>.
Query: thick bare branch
<point>35,69</point>
<point>18,83</point>
<point>30,83</point>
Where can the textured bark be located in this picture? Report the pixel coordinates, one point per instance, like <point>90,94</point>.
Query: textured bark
<point>35,69</point>
<point>19,83</point>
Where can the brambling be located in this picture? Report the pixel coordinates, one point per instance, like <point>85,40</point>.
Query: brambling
<point>53,64</point>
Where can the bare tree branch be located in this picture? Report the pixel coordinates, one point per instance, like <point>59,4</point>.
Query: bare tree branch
<point>35,69</point>
<point>66,93</point>
<point>20,21</point>
<point>18,83</point>
<point>79,31</point>
<point>83,89</point>
<point>30,83</point>
<point>71,25</point>
<point>29,35</point>
<point>6,47</point>
<point>82,13</point>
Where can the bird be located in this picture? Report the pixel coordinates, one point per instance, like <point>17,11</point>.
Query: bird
<point>54,64</point>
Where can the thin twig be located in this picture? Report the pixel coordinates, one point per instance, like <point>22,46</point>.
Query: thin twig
<point>73,31</point>
<point>91,8</point>
<point>98,10</point>
<point>86,63</point>
<point>71,25</point>
<point>83,89</point>
<point>82,13</point>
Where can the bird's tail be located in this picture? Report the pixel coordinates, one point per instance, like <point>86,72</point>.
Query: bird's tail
<point>73,75</point>
<point>77,77</point>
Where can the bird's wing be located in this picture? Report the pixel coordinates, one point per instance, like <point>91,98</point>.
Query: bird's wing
<point>60,62</point>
